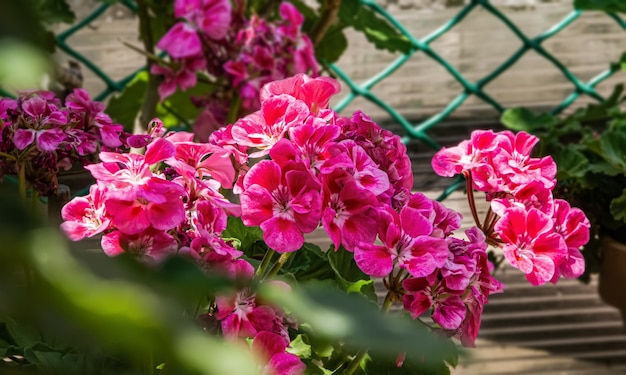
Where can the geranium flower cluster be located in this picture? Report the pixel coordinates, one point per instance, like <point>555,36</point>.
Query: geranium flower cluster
<point>290,167</point>
<point>41,136</point>
<point>215,39</point>
<point>540,235</point>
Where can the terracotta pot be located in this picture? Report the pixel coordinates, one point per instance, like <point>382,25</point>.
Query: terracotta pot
<point>612,280</point>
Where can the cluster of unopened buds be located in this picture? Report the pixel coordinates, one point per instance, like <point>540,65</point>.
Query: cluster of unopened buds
<point>540,235</point>
<point>41,135</point>
<point>215,39</point>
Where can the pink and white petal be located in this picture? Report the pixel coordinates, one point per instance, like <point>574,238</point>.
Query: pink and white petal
<point>285,364</point>
<point>111,244</point>
<point>49,140</point>
<point>267,344</point>
<point>23,137</point>
<point>217,17</point>
<point>282,235</point>
<point>181,41</point>
<point>543,270</point>
<point>129,217</point>
<point>266,173</point>
<point>449,313</point>
<point>165,216</point>
<point>257,205</point>
<point>159,150</point>
<point>574,265</point>
<point>374,260</point>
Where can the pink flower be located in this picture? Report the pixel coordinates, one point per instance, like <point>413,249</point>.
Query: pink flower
<point>573,225</point>
<point>203,160</point>
<point>150,245</point>
<point>137,198</point>
<point>406,241</point>
<point>467,155</point>
<point>284,201</point>
<point>267,126</point>
<point>184,77</point>
<point>47,140</point>
<point>242,316</point>
<point>352,158</point>
<point>315,92</point>
<point>271,348</point>
<point>349,217</point>
<point>211,17</point>
<point>512,160</point>
<point>85,216</point>
<point>531,245</point>
<point>448,308</point>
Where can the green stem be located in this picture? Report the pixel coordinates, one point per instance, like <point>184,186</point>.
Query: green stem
<point>470,198</point>
<point>265,262</point>
<point>233,111</point>
<point>356,362</point>
<point>10,157</point>
<point>151,95</point>
<point>278,265</point>
<point>21,177</point>
<point>327,19</point>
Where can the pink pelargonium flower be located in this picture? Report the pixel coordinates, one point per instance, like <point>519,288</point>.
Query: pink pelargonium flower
<point>530,243</point>
<point>42,113</point>
<point>203,160</point>
<point>270,124</point>
<point>349,216</point>
<point>347,155</point>
<point>448,308</point>
<point>47,140</point>
<point>315,92</point>
<point>211,17</point>
<point>467,155</point>
<point>531,195</point>
<point>285,202</point>
<point>406,241</point>
<point>138,199</point>
<point>272,350</point>
<point>513,162</point>
<point>79,100</point>
<point>85,216</point>
<point>242,316</point>
<point>573,225</point>
<point>149,245</point>
<point>184,77</point>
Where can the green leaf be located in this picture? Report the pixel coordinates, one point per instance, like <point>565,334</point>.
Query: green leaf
<point>571,163</point>
<point>523,119</point>
<point>332,45</point>
<point>45,358</point>
<point>604,5</point>
<point>618,207</point>
<point>125,106</point>
<point>611,146</point>
<point>349,275</point>
<point>309,263</point>
<point>22,334</point>
<point>300,347</point>
<point>376,29</point>
<point>335,315</point>
<point>247,235</point>
<point>55,11</point>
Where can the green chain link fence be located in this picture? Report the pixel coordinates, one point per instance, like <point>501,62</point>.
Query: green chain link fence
<point>416,131</point>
